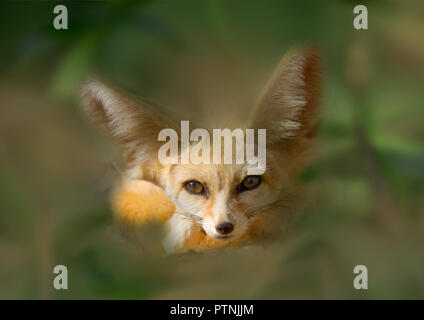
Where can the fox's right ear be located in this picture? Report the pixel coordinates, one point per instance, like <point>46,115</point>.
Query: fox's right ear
<point>289,107</point>
<point>130,121</point>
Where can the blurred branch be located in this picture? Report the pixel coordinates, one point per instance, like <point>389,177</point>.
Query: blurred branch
<point>358,77</point>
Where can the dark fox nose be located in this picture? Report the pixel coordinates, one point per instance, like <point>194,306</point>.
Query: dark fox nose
<point>225,228</point>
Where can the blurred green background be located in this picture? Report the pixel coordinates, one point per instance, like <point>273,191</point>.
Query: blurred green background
<point>364,190</point>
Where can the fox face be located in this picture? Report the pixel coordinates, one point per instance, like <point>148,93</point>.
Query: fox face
<point>223,200</point>
<point>220,197</point>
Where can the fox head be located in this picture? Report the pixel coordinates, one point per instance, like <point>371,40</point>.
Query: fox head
<point>223,198</point>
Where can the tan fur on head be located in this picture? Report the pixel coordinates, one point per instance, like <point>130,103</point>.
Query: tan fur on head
<point>288,110</point>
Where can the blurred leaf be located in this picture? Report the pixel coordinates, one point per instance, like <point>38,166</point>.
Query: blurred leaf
<point>74,65</point>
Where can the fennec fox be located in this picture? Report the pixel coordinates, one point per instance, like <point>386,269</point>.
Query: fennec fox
<point>209,205</point>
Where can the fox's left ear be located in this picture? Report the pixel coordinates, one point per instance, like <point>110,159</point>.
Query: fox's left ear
<point>288,109</point>
<point>129,121</point>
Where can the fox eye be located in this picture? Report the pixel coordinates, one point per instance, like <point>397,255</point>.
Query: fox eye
<point>249,183</point>
<point>195,187</point>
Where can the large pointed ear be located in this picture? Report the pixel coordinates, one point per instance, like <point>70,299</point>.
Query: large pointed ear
<point>130,121</point>
<point>288,109</point>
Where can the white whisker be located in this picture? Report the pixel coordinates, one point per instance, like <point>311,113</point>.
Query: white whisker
<point>189,216</point>
<point>257,211</point>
